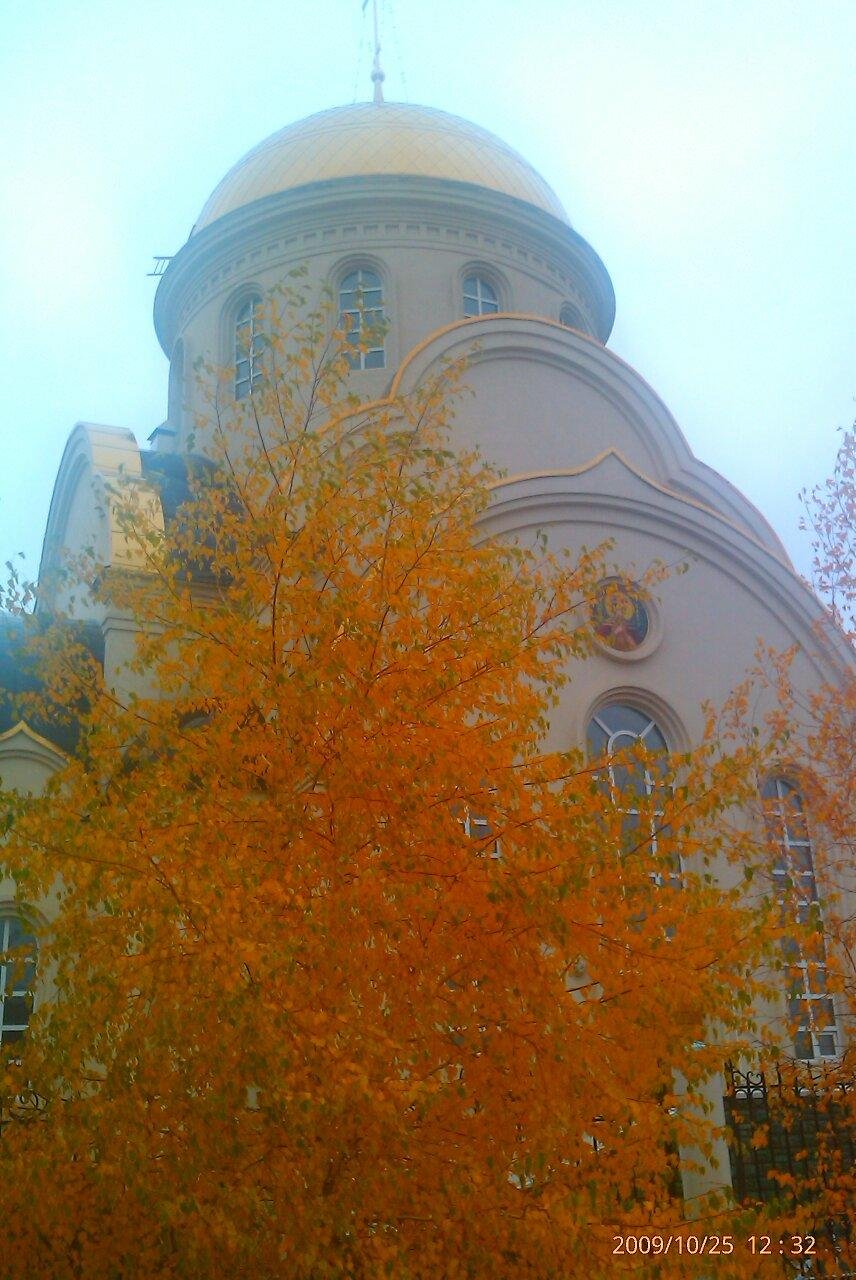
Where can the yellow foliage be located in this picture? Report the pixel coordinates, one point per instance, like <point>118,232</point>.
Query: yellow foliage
<point>303,1025</point>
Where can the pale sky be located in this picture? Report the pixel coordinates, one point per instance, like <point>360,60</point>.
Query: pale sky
<point>705,148</point>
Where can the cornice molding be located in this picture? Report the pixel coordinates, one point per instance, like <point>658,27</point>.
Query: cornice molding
<point>536,500</point>
<point>380,210</point>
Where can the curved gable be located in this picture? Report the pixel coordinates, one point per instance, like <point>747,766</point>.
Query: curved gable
<point>548,398</point>
<point>27,760</point>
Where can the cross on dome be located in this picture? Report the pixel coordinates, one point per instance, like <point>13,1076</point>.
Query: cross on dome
<point>377,73</point>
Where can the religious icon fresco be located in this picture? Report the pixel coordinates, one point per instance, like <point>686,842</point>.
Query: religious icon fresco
<point>620,618</point>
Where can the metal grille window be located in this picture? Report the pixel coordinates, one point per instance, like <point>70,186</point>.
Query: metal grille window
<point>480,297</point>
<point>17,974</point>
<point>361,309</point>
<point>809,1003</point>
<point>249,348</point>
<point>795,1121</point>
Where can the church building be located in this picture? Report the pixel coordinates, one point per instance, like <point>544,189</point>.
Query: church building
<point>437,228</point>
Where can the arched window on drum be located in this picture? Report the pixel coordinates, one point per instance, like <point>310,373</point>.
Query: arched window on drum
<point>175,387</point>
<point>361,312</point>
<point>810,1008</point>
<point>248,347</point>
<point>480,297</point>
<point>571,317</point>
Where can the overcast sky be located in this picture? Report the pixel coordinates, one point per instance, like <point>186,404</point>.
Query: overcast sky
<point>705,148</point>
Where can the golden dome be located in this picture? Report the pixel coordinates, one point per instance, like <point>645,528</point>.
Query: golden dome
<point>378,138</point>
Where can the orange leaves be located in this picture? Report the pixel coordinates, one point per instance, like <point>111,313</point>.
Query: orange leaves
<point>810,818</point>
<point>308,1018</point>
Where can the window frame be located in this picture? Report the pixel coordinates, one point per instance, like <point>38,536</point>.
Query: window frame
<point>371,316</point>
<point>483,279</point>
<point>795,874</point>
<point>479,828</point>
<point>176,385</point>
<point>619,793</point>
<point>568,309</point>
<point>11,914</point>
<point>243,351</point>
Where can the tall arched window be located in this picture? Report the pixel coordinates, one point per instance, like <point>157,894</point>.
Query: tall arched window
<point>361,310</point>
<point>616,727</point>
<point>17,974</point>
<point>249,347</point>
<point>809,1003</point>
<point>480,298</point>
<point>613,730</point>
<point>175,386</point>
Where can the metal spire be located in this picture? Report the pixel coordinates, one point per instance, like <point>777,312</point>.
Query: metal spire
<point>377,73</point>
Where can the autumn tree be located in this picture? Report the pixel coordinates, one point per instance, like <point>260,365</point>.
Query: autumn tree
<point>831,721</point>
<point>343,974</point>
<point>815,809</point>
<point>830,516</point>
<point>821,724</point>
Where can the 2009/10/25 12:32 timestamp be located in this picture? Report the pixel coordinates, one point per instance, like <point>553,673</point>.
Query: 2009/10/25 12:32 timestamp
<point>658,1245</point>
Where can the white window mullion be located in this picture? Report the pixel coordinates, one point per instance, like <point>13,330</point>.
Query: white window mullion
<point>794,872</point>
